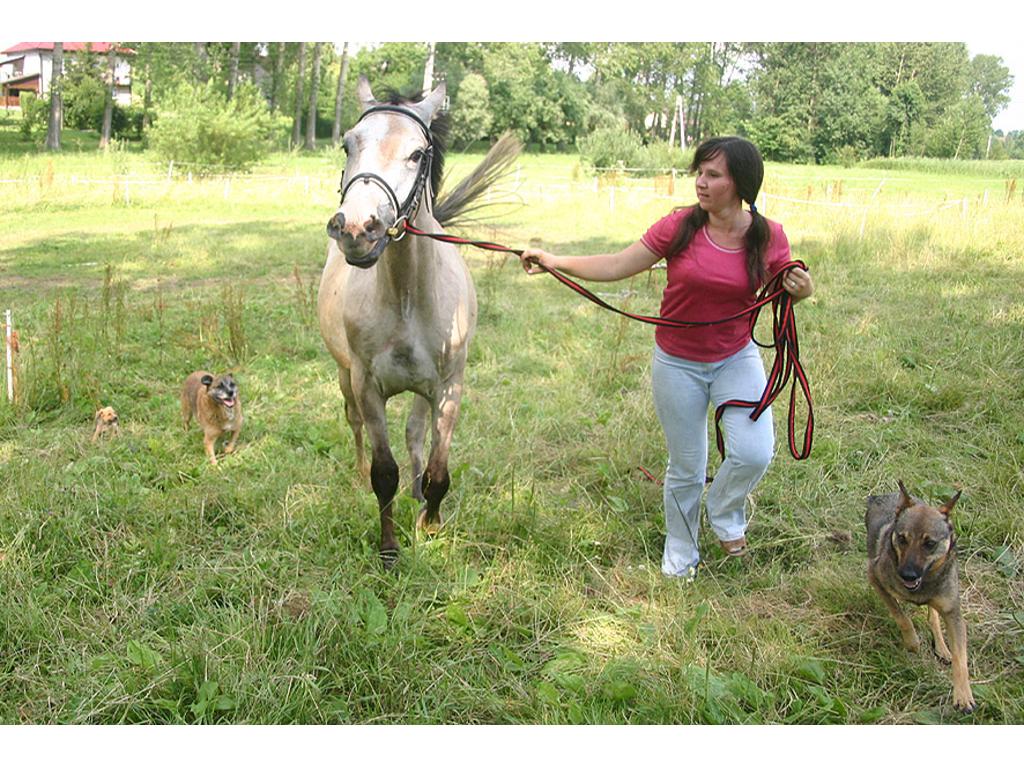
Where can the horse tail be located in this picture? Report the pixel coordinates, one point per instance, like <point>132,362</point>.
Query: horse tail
<point>454,206</point>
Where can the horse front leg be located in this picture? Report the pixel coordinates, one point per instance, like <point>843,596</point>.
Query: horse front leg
<point>355,420</point>
<point>415,432</point>
<point>383,470</point>
<point>436,479</point>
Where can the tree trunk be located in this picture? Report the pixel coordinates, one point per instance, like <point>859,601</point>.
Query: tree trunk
<point>108,102</point>
<point>314,89</point>
<point>275,77</point>
<point>340,97</point>
<point>200,70</point>
<point>297,124</point>
<point>147,101</point>
<point>56,105</point>
<point>428,71</point>
<point>233,76</point>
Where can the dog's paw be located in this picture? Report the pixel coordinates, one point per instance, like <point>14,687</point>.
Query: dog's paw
<point>943,656</point>
<point>964,703</point>
<point>912,643</point>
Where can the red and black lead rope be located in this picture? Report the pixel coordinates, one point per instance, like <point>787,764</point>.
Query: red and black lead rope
<point>785,342</point>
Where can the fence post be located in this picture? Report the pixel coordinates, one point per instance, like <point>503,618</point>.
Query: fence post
<point>10,361</point>
<point>963,208</point>
<point>170,169</point>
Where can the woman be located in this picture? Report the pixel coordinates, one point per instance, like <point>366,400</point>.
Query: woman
<point>718,255</point>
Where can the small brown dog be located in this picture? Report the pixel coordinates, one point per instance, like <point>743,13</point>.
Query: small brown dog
<point>912,557</point>
<point>106,421</point>
<point>215,403</point>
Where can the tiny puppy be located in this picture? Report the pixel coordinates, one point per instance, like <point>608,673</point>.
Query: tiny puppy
<point>215,403</point>
<point>912,557</point>
<point>106,421</point>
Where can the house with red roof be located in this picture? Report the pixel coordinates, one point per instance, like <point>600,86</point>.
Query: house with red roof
<point>28,67</point>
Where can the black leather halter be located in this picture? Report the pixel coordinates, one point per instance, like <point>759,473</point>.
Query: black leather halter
<point>407,209</point>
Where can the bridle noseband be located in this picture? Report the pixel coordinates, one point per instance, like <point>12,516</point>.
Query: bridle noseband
<point>407,209</point>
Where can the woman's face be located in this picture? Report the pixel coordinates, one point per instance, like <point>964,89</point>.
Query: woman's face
<point>716,191</point>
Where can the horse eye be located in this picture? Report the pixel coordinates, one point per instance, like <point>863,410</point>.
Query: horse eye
<point>416,156</point>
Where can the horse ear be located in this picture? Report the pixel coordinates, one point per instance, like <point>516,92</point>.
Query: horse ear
<point>364,93</point>
<point>430,106</point>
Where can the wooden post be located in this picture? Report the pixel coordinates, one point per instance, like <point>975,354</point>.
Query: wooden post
<point>10,360</point>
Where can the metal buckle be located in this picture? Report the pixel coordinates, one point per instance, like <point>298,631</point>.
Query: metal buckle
<point>394,232</point>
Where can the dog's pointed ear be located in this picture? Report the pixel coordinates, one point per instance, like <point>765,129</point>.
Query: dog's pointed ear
<point>905,500</point>
<point>946,508</point>
<point>207,380</point>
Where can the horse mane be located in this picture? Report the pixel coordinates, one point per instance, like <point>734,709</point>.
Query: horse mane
<point>453,207</point>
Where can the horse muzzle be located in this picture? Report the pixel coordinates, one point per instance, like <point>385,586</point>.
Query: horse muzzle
<point>362,246</point>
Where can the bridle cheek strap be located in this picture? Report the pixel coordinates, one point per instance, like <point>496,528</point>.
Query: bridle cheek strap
<point>407,209</point>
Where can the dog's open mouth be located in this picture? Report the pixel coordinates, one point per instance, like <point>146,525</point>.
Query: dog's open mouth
<point>913,586</point>
<point>229,402</point>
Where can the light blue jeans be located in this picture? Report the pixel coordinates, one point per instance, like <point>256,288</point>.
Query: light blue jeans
<point>683,389</point>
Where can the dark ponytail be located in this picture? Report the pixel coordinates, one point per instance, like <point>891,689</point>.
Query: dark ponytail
<point>747,171</point>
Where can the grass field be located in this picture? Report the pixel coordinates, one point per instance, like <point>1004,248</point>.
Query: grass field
<point>143,585</point>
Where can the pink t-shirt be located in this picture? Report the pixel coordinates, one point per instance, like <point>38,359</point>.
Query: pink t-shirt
<point>707,282</point>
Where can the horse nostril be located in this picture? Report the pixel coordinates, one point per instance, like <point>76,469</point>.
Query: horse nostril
<point>336,225</point>
<point>374,226</point>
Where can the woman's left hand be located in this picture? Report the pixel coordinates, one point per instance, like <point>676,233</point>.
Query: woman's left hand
<point>797,283</point>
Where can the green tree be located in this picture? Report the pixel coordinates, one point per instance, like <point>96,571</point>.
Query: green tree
<point>471,117</point>
<point>990,81</point>
<point>962,132</point>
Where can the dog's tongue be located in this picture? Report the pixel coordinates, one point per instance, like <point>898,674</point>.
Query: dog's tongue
<point>912,585</point>
<point>229,402</point>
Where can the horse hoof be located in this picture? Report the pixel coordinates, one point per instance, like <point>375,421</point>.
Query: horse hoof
<point>429,527</point>
<point>389,558</point>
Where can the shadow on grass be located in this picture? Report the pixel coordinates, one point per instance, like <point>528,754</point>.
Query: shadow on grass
<point>188,254</point>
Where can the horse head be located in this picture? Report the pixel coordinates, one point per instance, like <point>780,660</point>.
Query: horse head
<point>387,172</point>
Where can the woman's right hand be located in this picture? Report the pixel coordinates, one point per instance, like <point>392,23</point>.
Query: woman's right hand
<point>533,259</point>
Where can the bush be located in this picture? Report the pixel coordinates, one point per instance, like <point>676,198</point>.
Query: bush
<point>204,133</point>
<point>614,147</point>
<point>611,147</point>
<point>279,132</point>
<point>84,100</point>
<point>661,156</point>
<point>126,122</point>
<point>35,116</point>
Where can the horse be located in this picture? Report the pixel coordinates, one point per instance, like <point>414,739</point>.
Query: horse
<point>398,312</point>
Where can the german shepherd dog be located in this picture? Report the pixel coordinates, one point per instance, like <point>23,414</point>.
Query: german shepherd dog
<point>912,557</point>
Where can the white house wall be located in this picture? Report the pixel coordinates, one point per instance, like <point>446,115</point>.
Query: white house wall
<point>41,63</point>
